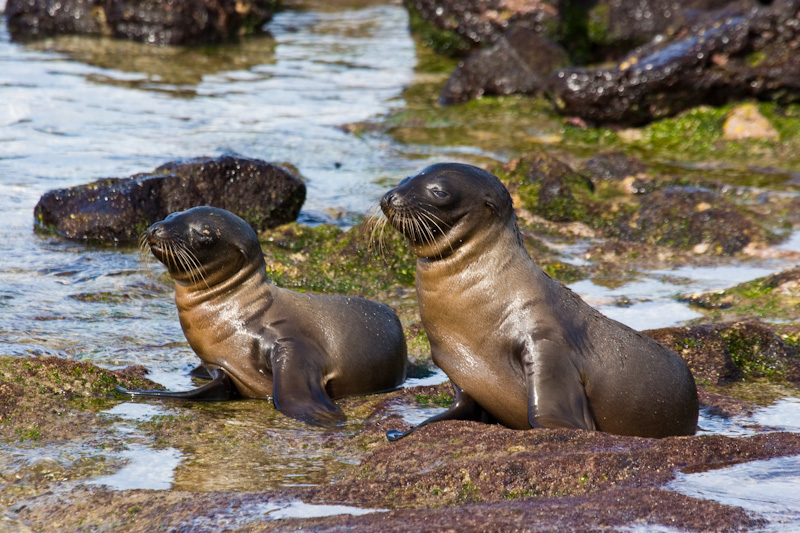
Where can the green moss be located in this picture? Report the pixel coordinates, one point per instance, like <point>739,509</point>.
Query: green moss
<point>598,24</point>
<point>563,272</point>
<point>514,494</point>
<point>755,58</point>
<point>444,42</point>
<point>757,298</point>
<point>439,400</point>
<point>573,31</point>
<point>32,433</point>
<point>327,259</point>
<point>468,492</point>
<point>749,358</point>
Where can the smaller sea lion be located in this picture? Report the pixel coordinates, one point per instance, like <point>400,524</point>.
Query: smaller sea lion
<point>257,340</point>
<point>520,347</point>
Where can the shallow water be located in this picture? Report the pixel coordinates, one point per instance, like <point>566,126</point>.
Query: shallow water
<point>73,110</point>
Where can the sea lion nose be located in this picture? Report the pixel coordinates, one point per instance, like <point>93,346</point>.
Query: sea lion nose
<point>156,232</point>
<point>388,201</point>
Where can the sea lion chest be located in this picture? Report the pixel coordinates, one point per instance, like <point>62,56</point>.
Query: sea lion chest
<point>230,327</point>
<point>476,337</point>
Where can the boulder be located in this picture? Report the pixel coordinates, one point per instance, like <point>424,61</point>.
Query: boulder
<point>481,22</point>
<point>520,62</point>
<point>173,22</point>
<point>690,217</point>
<point>736,53</point>
<point>118,210</point>
<point>722,353</point>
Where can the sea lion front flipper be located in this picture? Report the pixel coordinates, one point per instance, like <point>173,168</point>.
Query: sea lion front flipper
<point>462,408</point>
<point>219,389</point>
<point>298,388</point>
<point>556,397</point>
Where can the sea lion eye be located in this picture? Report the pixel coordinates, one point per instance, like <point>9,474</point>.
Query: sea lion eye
<point>439,193</point>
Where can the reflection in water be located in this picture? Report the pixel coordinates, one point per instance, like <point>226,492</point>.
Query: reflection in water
<point>146,468</point>
<point>174,70</point>
<point>257,512</point>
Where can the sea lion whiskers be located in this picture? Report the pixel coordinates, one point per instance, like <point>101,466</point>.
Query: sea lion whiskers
<point>144,250</point>
<point>375,222</point>
<point>190,262</point>
<point>433,219</point>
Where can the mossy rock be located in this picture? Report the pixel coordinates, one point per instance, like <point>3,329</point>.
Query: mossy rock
<point>328,259</point>
<point>691,217</point>
<point>719,354</point>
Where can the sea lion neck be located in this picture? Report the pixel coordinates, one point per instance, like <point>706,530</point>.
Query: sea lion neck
<point>478,243</point>
<point>252,276</point>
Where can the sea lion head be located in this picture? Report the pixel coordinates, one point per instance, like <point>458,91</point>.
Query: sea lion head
<point>203,244</point>
<point>447,205</point>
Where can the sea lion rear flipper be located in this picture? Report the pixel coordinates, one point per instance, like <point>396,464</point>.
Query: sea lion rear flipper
<point>298,388</point>
<point>462,408</point>
<point>556,397</point>
<point>201,372</point>
<point>219,389</point>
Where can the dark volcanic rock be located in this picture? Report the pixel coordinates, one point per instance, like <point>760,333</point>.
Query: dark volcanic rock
<point>483,22</point>
<point>685,217</point>
<point>722,353</point>
<point>620,25</point>
<point>151,21</point>
<point>737,53</point>
<point>520,62</point>
<point>120,209</point>
<point>613,166</point>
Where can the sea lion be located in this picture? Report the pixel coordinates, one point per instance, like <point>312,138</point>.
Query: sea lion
<point>258,340</point>
<point>519,347</point>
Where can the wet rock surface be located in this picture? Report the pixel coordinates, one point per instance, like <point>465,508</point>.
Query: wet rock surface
<point>670,55</point>
<point>616,26</point>
<point>690,217</point>
<point>463,475</point>
<point>178,22</point>
<point>118,210</point>
<point>739,52</point>
<point>480,22</point>
<point>520,62</point>
<point>722,353</point>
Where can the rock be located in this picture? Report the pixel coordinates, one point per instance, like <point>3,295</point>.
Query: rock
<point>558,188</point>
<point>721,353</point>
<point>745,122</point>
<point>617,26</point>
<point>686,217</point>
<point>618,167</point>
<point>735,54</point>
<point>176,22</point>
<point>118,210</point>
<point>612,166</point>
<point>520,62</point>
<point>483,22</point>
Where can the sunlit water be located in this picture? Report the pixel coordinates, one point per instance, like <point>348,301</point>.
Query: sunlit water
<point>72,112</point>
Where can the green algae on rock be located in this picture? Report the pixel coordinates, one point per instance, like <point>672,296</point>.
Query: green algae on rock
<point>723,353</point>
<point>773,297</point>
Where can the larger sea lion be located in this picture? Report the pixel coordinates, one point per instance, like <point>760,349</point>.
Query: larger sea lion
<point>258,340</point>
<point>520,347</point>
